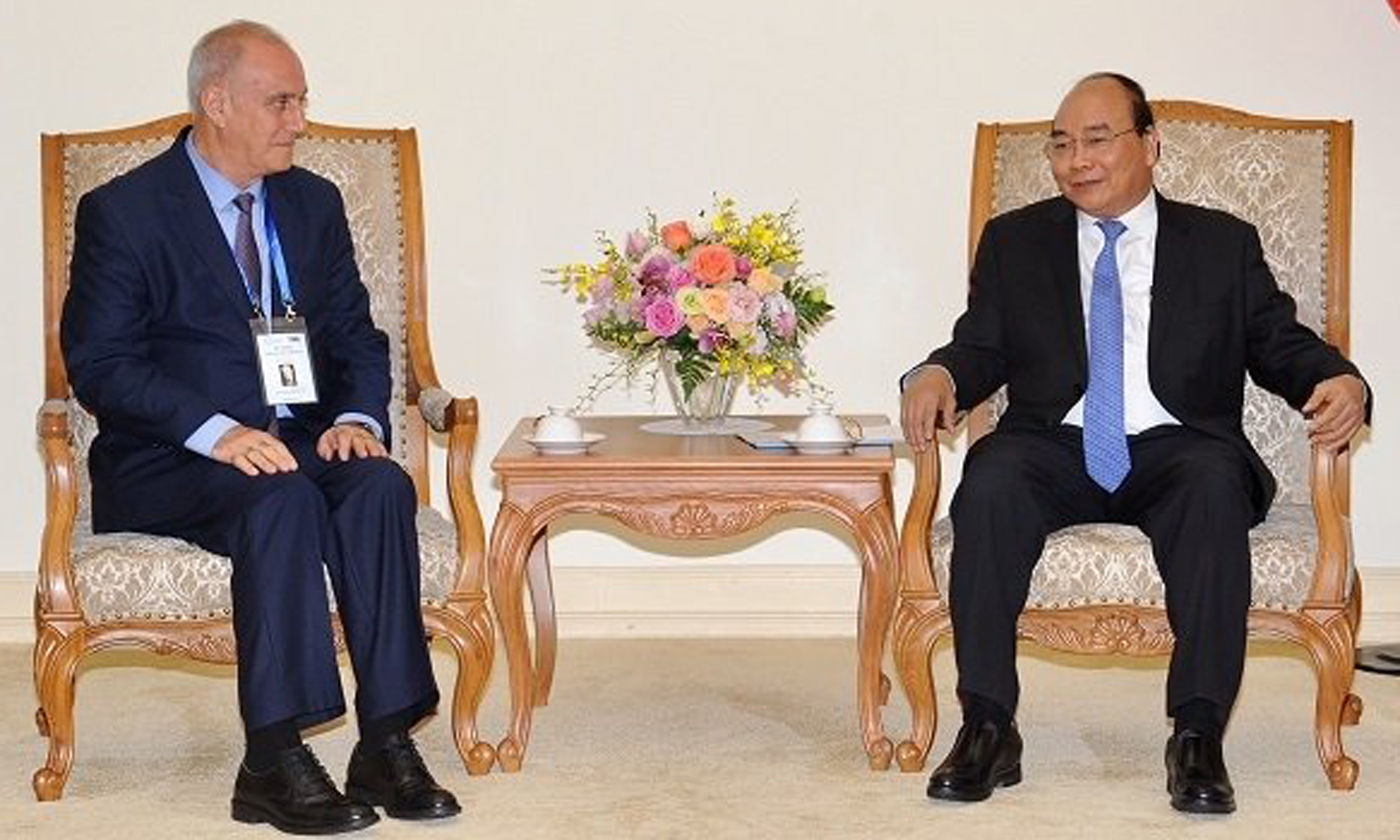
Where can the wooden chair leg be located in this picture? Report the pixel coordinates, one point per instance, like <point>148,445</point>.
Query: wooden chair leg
<point>916,630</point>
<point>546,630</point>
<point>1334,657</point>
<point>473,640</point>
<point>55,668</point>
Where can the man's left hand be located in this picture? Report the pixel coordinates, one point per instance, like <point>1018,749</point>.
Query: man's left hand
<point>1335,411</point>
<point>349,440</point>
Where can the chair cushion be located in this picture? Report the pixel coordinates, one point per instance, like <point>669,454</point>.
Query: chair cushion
<point>1101,563</point>
<point>123,576</point>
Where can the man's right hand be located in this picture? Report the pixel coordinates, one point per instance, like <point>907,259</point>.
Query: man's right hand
<point>254,452</point>
<point>929,404</point>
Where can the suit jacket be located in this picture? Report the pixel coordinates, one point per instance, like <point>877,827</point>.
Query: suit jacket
<point>1217,313</point>
<point>155,330</point>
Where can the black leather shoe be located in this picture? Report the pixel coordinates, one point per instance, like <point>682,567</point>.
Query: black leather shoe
<point>297,796</point>
<point>396,779</point>
<point>1196,775</point>
<point>983,758</point>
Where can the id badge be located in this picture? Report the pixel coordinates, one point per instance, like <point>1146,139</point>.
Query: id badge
<point>284,360</point>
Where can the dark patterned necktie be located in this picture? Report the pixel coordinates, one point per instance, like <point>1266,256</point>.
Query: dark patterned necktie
<point>245,248</point>
<point>1105,441</point>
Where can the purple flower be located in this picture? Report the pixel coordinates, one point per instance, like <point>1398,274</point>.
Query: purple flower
<point>663,317</point>
<point>742,267</point>
<point>637,244</point>
<point>781,313</point>
<point>678,277</point>
<point>786,324</point>
<point>654,270</point>
<point>711,339</point>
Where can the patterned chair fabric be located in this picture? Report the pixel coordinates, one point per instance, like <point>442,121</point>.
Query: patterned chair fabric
<point>1096,587</point>
<point>1277,179</point>
<point>171,596</point>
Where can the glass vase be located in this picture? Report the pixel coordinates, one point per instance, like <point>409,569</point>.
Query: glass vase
<point>708,403</point>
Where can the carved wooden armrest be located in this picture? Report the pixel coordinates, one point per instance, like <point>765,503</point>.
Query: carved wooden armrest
<point>917,572</point>
<point>1334,569</point>
<point>457,418</point>
<point>56,590</point>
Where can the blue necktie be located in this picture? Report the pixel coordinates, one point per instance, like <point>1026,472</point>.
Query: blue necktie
<point>1105,441</point>
<point>245,248</point>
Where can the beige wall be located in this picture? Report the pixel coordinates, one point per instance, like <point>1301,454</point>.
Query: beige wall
<point>541,122</point>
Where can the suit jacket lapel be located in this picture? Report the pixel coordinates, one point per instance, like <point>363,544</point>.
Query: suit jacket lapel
<point>189,211</point>
<point>1171,268</point>
<point>291,234</point>
<point>1064,263</point>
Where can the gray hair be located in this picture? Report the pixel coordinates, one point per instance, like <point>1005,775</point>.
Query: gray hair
<point>215,54</point>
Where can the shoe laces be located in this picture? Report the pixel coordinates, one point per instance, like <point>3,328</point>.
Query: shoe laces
<point>403,756</point>
<point>307,775</point>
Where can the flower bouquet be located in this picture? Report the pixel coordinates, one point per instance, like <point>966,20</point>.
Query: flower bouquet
<point>713,301</point>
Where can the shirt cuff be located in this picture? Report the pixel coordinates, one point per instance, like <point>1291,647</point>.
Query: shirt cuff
<point>207,435</point>
<point>363,420</point>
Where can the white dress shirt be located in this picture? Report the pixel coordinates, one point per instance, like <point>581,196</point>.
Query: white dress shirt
<point>1137,249</point>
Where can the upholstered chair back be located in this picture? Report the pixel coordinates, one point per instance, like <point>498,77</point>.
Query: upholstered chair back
<point>1275,177</point>
<point>163,594</point>
<point>367,173</point>
<point>1096,588</point>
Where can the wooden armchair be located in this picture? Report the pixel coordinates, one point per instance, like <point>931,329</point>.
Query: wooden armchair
<point>1096,589</point>
<point>130,590</point>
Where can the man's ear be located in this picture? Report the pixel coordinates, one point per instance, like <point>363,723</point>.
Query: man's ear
<point>1154,145</point>
<point>214,101</point>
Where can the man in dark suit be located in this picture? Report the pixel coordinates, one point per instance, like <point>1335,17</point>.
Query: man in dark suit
<point>1123,325</point>
<point>192,276</point>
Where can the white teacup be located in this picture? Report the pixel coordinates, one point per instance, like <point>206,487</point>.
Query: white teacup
<point>821,426</point>
<point>558,426</point>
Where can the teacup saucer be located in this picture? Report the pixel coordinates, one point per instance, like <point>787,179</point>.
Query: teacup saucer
<point>816,447</point>
<point>566,447</point>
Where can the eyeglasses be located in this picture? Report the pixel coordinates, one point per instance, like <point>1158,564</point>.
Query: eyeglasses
<point>1061,146</point>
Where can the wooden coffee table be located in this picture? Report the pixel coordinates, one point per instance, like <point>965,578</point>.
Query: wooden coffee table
<point>686,488</point>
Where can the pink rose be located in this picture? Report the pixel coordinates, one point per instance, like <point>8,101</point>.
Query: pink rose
<point>713,264</point>
<point>663,318</point>
<point>742,266</point>
<point>676,236</point>
<point>744,304</point>
<point>678,278</point>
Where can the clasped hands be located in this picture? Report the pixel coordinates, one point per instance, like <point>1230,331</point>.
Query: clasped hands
<point>256,452</point>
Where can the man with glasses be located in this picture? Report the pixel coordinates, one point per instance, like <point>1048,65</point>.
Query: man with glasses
<point>201,281</point>
<point>1123,325</point>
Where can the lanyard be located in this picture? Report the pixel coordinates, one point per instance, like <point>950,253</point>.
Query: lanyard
<point>279,269</point>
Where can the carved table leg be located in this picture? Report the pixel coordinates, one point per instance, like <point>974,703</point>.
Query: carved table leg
<point>510,551</point>
<point>546,629</point>
<point>875,535</point>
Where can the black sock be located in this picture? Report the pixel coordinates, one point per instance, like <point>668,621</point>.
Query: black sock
<point>265,743</point>
<point>977,708</point>
<point>1201,715</point>
<point>375,733</point>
